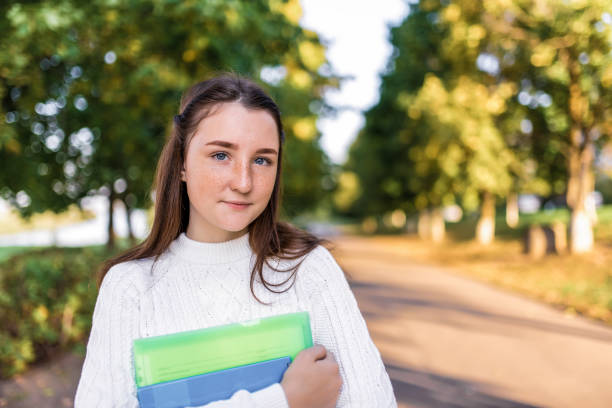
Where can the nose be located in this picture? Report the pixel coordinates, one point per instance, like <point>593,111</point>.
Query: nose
<point>241,177</point>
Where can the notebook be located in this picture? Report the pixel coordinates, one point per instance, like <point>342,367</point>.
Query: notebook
<point>173,369</point>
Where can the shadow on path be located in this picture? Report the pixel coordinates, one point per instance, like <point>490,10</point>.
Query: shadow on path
<point>414,388</point>
<point>384,301</point>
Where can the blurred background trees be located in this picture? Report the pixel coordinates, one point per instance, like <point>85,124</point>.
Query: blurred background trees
<point>483,101</point>
<point>89,91</point>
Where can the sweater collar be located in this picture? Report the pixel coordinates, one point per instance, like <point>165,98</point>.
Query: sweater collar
<point>211,252</point>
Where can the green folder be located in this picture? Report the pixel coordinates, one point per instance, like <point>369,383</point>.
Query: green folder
<point>180,355</point>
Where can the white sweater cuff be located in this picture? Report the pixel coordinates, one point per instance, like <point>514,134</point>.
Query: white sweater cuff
<point>271,397</point>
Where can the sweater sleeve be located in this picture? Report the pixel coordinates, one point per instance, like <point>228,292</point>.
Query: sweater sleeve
<point>269,397</point>
<point>339,326</point>
<point>107,378</point>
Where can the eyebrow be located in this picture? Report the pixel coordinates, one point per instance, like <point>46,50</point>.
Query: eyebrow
<point>235,147</point>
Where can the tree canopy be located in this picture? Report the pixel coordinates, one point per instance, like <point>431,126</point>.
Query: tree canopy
<point>484,99</point>
<point>89,89</point>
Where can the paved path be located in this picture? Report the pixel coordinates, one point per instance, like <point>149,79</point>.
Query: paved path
<point>451,342</point>
<point>447,341</point>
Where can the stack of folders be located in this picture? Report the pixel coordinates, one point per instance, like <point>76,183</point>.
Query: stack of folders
<point>196,367</point>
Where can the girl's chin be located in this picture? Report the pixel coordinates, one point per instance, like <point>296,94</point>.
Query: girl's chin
<point>233,222</point>
<point>235,230</point>
<point>234,227</point>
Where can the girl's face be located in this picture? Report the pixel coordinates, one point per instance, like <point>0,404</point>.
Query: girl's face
<point>229,169</point>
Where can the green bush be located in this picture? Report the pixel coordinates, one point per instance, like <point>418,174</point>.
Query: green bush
<point>46,302</point>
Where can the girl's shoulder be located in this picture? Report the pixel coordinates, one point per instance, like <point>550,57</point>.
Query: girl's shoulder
<point>319,254</point>
<point>320,269</point>
<point>135,274</point>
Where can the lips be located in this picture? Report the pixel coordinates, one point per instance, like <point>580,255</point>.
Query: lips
<point>237,205</point>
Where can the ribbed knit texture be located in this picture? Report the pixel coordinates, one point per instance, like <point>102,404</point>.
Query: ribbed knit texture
<point>195,285</point>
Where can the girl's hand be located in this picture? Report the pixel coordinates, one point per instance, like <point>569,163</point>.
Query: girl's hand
<point>312,380</point>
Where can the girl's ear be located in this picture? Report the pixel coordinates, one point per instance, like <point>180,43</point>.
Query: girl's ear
<point>183,178</point>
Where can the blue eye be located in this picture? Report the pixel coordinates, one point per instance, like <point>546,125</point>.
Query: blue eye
<point>266,161</point>
<point>219,154</point>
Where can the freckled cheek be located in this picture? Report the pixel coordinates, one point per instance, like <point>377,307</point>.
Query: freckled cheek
<point>206,181</point>
<point>266,183</point>
<point>216,178</point>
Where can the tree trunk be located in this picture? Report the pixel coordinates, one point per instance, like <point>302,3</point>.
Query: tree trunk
<point>559,230</point>
<point>110,242</point>
<point>580,158</point>
<point>580,186</point>
<point>128,219</point>
<point>424,225</point>
<point>591,206</point>
<point>512,210</point>
<point>581,232</point>
<point>438,229</point>
<point>535,242</point>
<point>485,229</point>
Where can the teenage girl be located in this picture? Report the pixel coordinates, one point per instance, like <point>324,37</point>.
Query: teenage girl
<point>217,254</point>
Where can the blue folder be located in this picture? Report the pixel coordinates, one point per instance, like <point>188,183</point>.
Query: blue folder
<point>219,385</point>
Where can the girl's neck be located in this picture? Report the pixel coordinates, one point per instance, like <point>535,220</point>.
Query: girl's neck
<point>217,236</point>
<point>196,251</point>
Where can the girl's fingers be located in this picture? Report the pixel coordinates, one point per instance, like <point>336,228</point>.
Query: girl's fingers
<point>314,353</point>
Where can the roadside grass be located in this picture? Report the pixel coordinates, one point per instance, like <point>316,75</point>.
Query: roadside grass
<point>575,283</point>
<point>7,252</point>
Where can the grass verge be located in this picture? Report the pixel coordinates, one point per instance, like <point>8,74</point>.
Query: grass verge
<point>577,284</point>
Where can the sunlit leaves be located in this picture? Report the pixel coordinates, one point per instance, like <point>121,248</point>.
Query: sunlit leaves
<point>348,190</point>
<point>119,68</point>
<point>486,96</point>
<point>312,54</point>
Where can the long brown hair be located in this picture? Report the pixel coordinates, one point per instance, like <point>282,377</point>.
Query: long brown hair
<point>268,236</point>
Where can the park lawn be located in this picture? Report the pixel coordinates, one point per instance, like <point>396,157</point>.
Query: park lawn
<point>575,283</point>
<point>7,252</point>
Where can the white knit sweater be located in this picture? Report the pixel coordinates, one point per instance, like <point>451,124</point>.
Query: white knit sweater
<point>195,285</point>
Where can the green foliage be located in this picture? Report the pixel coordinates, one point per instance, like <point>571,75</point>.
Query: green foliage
<point>90,89</point>
<point>436,119</point>
<point>46,301</point>
<point>604,186</point>
<point>7,252</point>
<point>493,96</point>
